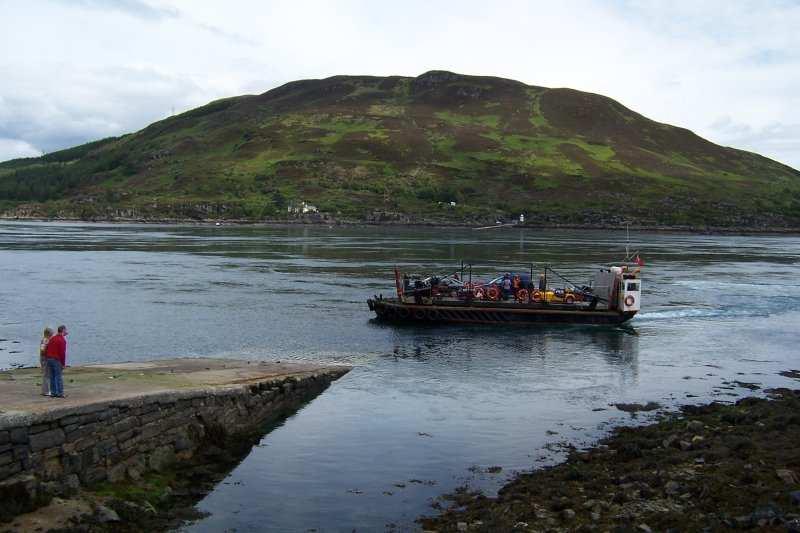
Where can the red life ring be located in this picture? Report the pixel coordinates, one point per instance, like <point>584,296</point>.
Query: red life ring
<point>479,294</point>
<point>537,296</point>
<point>570,299</point>
<point>522,295</point>
<point>493,293</point>
<point>630,300</point>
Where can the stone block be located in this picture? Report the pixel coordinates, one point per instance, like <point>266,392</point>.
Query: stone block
<point>151,430</point>
<point>93,475</point>
<point>117,473</point>
<point>52,469</point>
<point>6,458</point>
<point>124,424</point>
<point>125,435</point>
<point>83,419</point>
<point>183,443</point>
<point>145,409</point>
<point>171,421</point>
<point>105,447</point>
<point>51,488</point>
<point>5,447</point>
<point>150,417</point>
<point>10,469</point>
<point>161,458</point>
<point>79,432</point>
<point>71,420</point>
<point>74,463</point>
<point>71,484</point>
<point>38,428</point>
<point>21,451</point>
<point>19,435</point>
<point>129,443</point>
<point>33,461</point>
<point>147,446</point>
<point>47,439</point>
<point>82,444</point>
<point>50,453</point>
<point>118,456</point>
<point>5,437</point>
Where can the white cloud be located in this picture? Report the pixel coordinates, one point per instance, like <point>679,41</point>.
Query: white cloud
<point>14,148</point>
<point>782,140</point>
<point>81,70</point>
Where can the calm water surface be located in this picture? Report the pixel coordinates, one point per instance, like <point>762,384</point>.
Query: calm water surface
<point>424,409</point>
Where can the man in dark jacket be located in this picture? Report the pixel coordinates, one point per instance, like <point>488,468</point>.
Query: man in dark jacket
<point>56,356</point>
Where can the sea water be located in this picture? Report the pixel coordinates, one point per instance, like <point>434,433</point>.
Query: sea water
<point>425,409</point>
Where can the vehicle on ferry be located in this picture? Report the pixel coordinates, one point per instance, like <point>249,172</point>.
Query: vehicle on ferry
<point>612,296</point>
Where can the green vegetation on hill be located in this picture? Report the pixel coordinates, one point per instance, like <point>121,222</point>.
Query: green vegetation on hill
<point>399,148</point>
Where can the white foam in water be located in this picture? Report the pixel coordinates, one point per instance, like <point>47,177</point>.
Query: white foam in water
<point>686,313</point>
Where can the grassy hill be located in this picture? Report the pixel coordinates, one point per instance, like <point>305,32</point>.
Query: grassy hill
<point>399,148</point>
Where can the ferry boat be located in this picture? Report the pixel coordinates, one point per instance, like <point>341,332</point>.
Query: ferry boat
<point>613,296</point>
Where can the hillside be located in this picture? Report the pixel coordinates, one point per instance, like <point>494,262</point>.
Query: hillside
<point>402,149</point>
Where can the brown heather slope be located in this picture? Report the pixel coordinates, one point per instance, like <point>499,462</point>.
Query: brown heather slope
<point>399,148</point>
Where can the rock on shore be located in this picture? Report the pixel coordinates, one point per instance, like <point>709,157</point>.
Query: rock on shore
<point>714,467</point>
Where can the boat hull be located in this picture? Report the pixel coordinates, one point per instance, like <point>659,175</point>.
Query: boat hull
<point>393,310</point>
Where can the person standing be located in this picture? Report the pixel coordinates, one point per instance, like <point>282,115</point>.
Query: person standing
<point>506,285</point>
<point>56,355</point>
<point>516,284</point>
<point>43,361</point>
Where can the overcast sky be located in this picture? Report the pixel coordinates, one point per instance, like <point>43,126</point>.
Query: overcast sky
<point>78,70</point>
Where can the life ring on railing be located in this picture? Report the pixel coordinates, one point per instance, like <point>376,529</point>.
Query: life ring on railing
<point>522,296</point>
<point>630,300</point>
<point>493,293</point>
<point>537,296</point>
<point>570,299</point>
<point>479,293</point>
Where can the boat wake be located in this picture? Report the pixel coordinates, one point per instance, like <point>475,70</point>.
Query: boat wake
<point>694,313</point>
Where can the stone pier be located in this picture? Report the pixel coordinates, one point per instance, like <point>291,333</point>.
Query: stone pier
<point>122,420</point>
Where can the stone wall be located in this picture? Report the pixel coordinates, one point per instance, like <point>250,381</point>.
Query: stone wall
<point>59,451</point>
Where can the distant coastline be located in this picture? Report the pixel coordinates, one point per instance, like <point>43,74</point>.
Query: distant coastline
<point>709,230</point>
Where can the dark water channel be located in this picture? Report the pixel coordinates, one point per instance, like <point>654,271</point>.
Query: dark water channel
<point>425,409</point>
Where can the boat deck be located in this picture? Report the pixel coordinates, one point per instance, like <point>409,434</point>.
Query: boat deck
<point>493,312</point>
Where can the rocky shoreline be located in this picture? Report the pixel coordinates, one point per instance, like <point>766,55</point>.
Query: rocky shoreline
<point>708,468</point>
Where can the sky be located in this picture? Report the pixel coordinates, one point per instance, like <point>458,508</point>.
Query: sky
<point>72,71</point>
